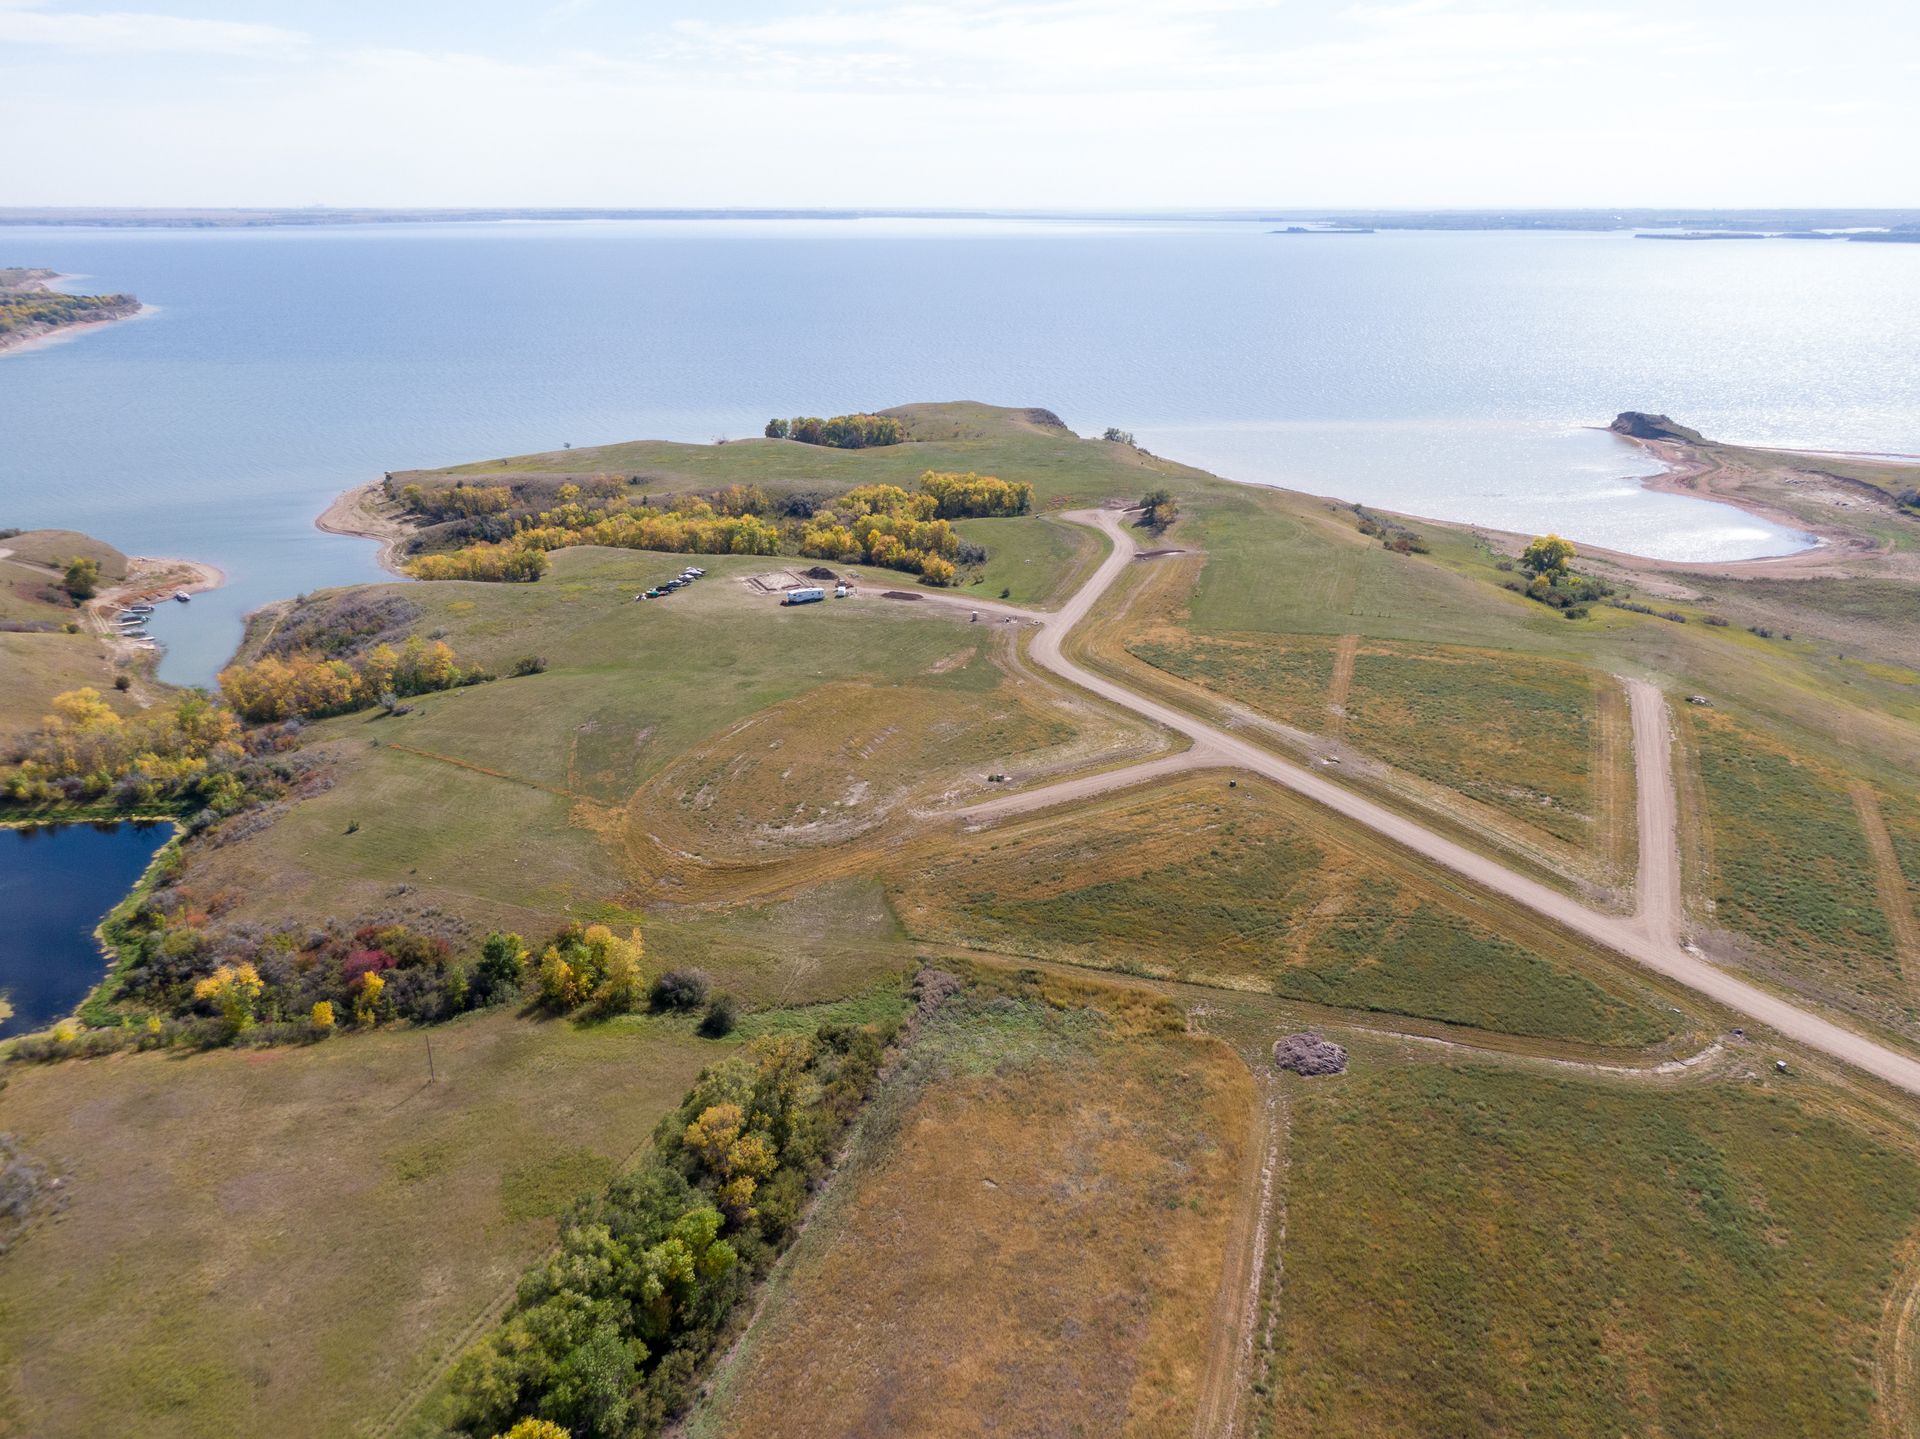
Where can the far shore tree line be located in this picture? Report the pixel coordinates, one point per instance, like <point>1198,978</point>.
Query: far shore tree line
<point>881,524</point>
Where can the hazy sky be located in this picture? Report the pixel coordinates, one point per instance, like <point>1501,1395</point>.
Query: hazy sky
<point>1060,103</point>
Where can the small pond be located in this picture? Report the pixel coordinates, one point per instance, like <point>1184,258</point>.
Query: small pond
<point>56,883</point>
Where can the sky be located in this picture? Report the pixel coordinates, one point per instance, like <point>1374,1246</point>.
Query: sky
<point>1058,104</point>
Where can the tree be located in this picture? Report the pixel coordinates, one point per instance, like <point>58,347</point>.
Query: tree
<point>1161,509</point>
<point>233,988</point>
<point>1118,436</point>
<point>620,981</point>
<point>779,429</point>
<point>82,578</point>
<point>322,1015</point>
<point>366,1006</point>
<point>1548,555</point>
<point>503,959</point>
<point>536,1429</point>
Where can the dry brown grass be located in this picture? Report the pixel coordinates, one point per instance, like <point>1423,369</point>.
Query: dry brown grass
<point>285,1242</point>
<point>1027,1241</point>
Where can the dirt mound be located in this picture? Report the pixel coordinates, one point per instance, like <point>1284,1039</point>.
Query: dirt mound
<point>1307,1053</point>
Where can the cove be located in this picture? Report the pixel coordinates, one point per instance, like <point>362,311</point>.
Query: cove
<point>56,883</point>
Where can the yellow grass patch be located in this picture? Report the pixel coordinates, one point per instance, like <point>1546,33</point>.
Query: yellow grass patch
<point>1029,1236</point>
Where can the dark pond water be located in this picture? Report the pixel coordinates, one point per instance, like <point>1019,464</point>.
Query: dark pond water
<point>56,883</point>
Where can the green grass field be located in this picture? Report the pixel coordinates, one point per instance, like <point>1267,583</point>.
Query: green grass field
<point>1038,561</point>
<point>1471,1251</point>
<point>1252,888</point>
<point>1791,869</point>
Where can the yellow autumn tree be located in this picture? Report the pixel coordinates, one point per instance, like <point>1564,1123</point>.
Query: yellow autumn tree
<point>322,1015</point>
<point>618,961</point>
<point>234,988</point>
<point>366,1004</point>
<point>737,1157</point>
<point>536,1429</point>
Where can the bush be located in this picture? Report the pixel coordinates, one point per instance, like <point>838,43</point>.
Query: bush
<point>527,665</point>
<point>721,1018</point>
<point>678,989</point>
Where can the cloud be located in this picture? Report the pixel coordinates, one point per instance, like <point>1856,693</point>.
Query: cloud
<point>31,22</point>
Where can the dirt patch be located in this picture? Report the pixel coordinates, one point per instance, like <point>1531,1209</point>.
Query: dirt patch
<point>900,595</point>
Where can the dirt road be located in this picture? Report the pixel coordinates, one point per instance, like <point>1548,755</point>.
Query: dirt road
<point>1649,937</point>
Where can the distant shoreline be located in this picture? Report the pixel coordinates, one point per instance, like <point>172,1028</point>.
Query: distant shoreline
<point>32,336</point>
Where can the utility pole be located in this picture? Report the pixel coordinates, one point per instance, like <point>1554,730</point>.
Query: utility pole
<point>429,1039</point>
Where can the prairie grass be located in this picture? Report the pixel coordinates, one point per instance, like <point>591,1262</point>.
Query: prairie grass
<point>1026,1237</point>
<point>1473,1251</point>
<point>1254,889</point>
<point>286,1242</point>
<point>1791,870</point>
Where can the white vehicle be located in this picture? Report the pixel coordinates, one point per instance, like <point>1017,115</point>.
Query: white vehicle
<point>839,592</point>
<point>804,596</point>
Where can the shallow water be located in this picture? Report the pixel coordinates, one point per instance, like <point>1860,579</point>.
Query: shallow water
<point>56,883</point>
<point>1444,374</point>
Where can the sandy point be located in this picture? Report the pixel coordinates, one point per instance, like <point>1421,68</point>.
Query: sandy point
<point>366,513</point>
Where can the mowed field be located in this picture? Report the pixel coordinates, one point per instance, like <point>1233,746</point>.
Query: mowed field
<point>1027,1237</point>
<point>1250,887</point>
<point>288,1242</point>
<point>1472,1251</point>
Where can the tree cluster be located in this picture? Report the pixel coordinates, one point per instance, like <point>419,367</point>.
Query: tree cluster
<point>1158,509</point>
<point>962,496</point>
<point>459,501</point>
<point>306,686</point>
<point>1554,583</point>
<point>21,309</point>
<point>216,983</point>
<point>606,1338</point>
<point>1390,532</point>
<point>189,754</point>
<point>842,432</point>
<point>81,579</point>
<point>501,562</point>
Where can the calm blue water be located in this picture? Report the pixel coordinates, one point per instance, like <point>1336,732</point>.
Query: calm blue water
<point>56,883</point>
<point>1442,374</point>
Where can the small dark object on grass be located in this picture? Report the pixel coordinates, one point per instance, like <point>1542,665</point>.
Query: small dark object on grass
<point>353,826</point>
<point>1307,1053</point>
<point>679,989</point>
<point>1006,592</point>
<point>721,1017</point>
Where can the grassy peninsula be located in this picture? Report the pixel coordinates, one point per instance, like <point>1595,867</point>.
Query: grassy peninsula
<point>659,880</point>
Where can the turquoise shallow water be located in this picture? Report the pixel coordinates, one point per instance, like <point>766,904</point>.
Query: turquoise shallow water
<point>1452,375</point>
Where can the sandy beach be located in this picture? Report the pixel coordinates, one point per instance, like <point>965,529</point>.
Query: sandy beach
<point>365,512</point>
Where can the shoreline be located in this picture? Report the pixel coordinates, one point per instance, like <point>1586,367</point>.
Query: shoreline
<point>362,513</point>
<point>359,514</point>
<point>149,580</point>
<point>38,336</point>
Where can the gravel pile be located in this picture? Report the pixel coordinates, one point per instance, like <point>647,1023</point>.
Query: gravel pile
<point>1308,1053</point>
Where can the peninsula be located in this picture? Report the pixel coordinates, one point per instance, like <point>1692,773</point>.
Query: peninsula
<point>781,955</point>
<point>31,309</point>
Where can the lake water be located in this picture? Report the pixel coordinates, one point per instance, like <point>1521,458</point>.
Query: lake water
<point>1444,374</point>
<point>56,883</point>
